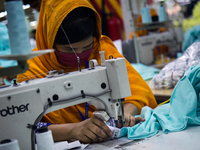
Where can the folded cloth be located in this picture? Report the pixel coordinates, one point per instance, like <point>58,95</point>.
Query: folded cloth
<point>183,110</point>
<point>146,72</point>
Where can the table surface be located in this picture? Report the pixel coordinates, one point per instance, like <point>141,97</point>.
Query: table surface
<point>164,92</point>
<point>161,95</point>
<point>187,139</point>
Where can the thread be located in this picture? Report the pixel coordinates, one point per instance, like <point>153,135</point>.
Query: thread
<point>18,34</point>
<point>162,14</point>
<point>146,16</point>
<point>9,144</point>
<point>44,139</point>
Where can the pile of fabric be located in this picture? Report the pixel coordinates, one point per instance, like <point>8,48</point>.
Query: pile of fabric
<point>174,71</point>
<point>183,110</point>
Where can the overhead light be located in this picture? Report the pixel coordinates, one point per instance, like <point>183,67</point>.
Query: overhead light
<point>26,6</point>
<point>3,14</point>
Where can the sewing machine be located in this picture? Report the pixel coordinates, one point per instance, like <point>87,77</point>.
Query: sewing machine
<point>147,44</point>
<point>25,103</point>
<point>22,105</point>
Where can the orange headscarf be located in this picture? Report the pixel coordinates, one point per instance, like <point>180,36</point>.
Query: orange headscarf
<point>50,12</point>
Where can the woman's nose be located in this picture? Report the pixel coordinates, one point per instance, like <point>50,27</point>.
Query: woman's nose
<point>79,51</point>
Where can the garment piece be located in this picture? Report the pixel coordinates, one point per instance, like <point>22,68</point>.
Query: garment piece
<point>115,132</point>
<point>182,111</point>
<point>42,124</point>
<point>191,36</point>
<point>39,66</point>
<point>144,129</point>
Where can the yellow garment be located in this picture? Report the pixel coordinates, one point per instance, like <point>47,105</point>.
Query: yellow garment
<point>39,66</point>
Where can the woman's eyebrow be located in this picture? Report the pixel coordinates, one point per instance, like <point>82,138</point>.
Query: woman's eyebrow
<point>89,45</point>
<point>68,48</point>
<point>76,48</point>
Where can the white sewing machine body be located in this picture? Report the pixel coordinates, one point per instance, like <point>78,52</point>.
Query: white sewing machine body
<point>147,44</point>
<point>23,103</point>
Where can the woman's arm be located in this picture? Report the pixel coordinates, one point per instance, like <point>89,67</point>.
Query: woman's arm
<point>87,131</point>
<point>131,109</point>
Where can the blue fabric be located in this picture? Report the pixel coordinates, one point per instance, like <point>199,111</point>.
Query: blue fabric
<point>183,110</point>
<point>4,47</point>
<point>145,71</point>
<point>7,82</point>
<point>191,36</point>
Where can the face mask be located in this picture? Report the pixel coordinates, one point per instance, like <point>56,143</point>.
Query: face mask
<point>70,59</point>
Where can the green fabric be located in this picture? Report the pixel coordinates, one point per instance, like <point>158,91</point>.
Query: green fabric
<point>191,36</point>
<point>183,110</point>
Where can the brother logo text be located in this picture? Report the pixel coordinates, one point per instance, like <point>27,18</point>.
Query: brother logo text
<point>14,109</point>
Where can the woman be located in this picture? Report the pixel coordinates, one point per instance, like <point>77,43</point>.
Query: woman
<point>79,32</point>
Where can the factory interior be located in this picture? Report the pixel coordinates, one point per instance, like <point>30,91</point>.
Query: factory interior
<point>158,45</point>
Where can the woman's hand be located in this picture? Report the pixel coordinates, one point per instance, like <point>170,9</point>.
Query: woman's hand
<point>130,120</point>
<point>130,111</point>
<point>91,130</point>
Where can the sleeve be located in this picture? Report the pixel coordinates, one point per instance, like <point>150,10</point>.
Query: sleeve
<point>35,71</point>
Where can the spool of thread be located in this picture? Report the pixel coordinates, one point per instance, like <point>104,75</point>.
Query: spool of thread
<point>44,139</point>
<point>146,16</point>
<point>18,34</point>
<point>9,144</point>
<point>162,14</point>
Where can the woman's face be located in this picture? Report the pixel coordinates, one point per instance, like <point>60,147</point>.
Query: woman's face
<point>78,47</point>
